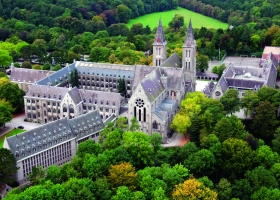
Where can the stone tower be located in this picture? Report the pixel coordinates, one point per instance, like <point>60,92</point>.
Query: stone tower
<point>189,57</point>
<point>159,46</point>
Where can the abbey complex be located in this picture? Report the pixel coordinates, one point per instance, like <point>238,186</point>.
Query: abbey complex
<point>154,93</point>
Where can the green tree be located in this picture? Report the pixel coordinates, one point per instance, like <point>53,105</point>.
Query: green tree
<point>6,111</point>
<point>176,22</point>
<point>123,193</point>
<point>134,126</point>
<point>231,101</point>
<point>237,157</point>
<point>102,189</point>
<point>276,141</point>
<point>122,122</point>
<point>261,177</point>
<point>74,78</point>
<point>56,67</point>
<point>5,59</point>
<point>78,189</point>
<point>266,157</point>
<point>36,175</point>
<point>265,121</point>
<point>241,189</point>
<point>12,93</point>
<point>26,64</point>
<point>113,139</point>
<point>266,193</point>
<point>249,102</point>
<point>202,62</point>
<point>123,13</point>
<point>122,87</point>
<point>53,174</point>
<point>224,189</point>
<point>88,147</point>
<point>201,162</point>
<point>8,167</point>
<point>138,145</point>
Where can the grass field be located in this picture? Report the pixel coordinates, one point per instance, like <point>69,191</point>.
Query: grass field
<point>198,20</point>
<point>11,133</point>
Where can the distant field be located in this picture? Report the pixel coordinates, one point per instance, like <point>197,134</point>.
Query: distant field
<point>11,133</point>
<point>198,20</point>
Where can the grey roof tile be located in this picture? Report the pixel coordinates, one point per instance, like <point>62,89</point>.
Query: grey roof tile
<point>172,61</point>
<point>152,85</point>
<point>28,75</point>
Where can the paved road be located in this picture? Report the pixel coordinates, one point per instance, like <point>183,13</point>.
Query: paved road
<point>18,121</point>
<point>173,141</point>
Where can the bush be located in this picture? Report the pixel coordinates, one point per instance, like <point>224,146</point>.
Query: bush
<point>36,66</point>
<point>26,64</point>
<point>46,66</point>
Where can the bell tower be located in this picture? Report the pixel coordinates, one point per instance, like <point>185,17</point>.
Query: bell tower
<point>159,46</point>
<point>189,57</point>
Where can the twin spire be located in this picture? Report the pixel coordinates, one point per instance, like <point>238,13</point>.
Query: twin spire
<point>189,40</point>
<point>159,39</point>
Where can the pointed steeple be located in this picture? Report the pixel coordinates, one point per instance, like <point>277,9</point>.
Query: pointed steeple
<point>189,40</point>
<point>159,39</point>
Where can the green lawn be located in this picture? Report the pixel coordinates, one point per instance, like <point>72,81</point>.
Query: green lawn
<point>198,20</point>
<point>11,133</point>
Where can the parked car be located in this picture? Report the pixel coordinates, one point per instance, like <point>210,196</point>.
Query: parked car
<point>20,127</point>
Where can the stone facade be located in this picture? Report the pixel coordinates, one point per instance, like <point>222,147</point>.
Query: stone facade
<point>154,93</point>
<point>54,143</point>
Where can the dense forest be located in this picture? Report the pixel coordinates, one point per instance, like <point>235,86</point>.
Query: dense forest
<point>70,29</point>
<point>226,158</point>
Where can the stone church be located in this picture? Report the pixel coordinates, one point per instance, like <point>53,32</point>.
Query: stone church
<point>154,93</point>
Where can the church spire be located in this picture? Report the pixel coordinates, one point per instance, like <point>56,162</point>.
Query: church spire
<point>189,40</point>
<point>159,39</point>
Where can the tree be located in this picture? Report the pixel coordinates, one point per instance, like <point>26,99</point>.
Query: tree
<point>102,189</point>
<point>7,166</point>
<point>269,94</point>
<point>53,174</point>
<point>202,62</point>
<point>36,175</point>
<point>266,157</point>
<point>5,59</point>
<point>134,126</point>
<point>123,13</point>
<point>201,162</point>
<point>231,101</point>
<point>261,177</point>
<point>6,111</point>
<point>12,93</point>
<point>122,87</point>
<point>193,189</point>
<point>224,189</point>
<point>123,193</point>
<point>176,22</point>
<point>122,123</point>
<point>74,78</point>
<point>56,67</point>
<point>138,145</point>
<point>249,101</point>
<point>276,141</point>
<point>266,193</point>
<point>265,120</point>
<point>219,70</point>
<point>26,64</point>
<point>90,147</point>
<point>156,140</point>
<point>237,157</point>
<point>113,139</point>
<point>241,189</point>
<point>123,174</point>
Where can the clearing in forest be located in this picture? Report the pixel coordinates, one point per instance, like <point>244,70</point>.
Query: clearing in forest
<point>198,20</point>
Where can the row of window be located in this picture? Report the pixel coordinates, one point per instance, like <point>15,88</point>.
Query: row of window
<point>47,158</point>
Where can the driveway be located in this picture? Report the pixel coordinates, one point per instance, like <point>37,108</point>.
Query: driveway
<point>18,121</point>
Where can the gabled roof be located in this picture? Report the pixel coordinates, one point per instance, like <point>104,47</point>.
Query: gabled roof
<point>28,75</point>
<point>87,124</point>
<point>172,61</point>
<point>159,38</point>
<point>174,77</point>
<point>152,85</point>
<point>208,88</point>
<point>189,40</point>
<point>140,73</point>
<point>47,92</point>
<point>165,107</point>
<point>75,95</point>
<point>39,139</point>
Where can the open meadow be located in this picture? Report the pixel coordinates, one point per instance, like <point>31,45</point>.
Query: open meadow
<point>198,20</point>
<point>11,133</point>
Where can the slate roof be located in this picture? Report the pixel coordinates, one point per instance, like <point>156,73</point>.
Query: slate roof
<point>87,124</point>
<point>28,75</point>
<point>48,92</point>
<point>41,138</point>
<point>174,77</point>
<point>189,40</point>
<point>159,38</point>
<point>140,73</point>
<point>172,61</point>
<point>152,85</point>
<point>165,107</point>
<point>208,88</point>
<point>100,98</point>
<point>244,83</point>
<point>208,75</point>
<point>58,77</point>
<point>105,69</point>
<point>75,95</point>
